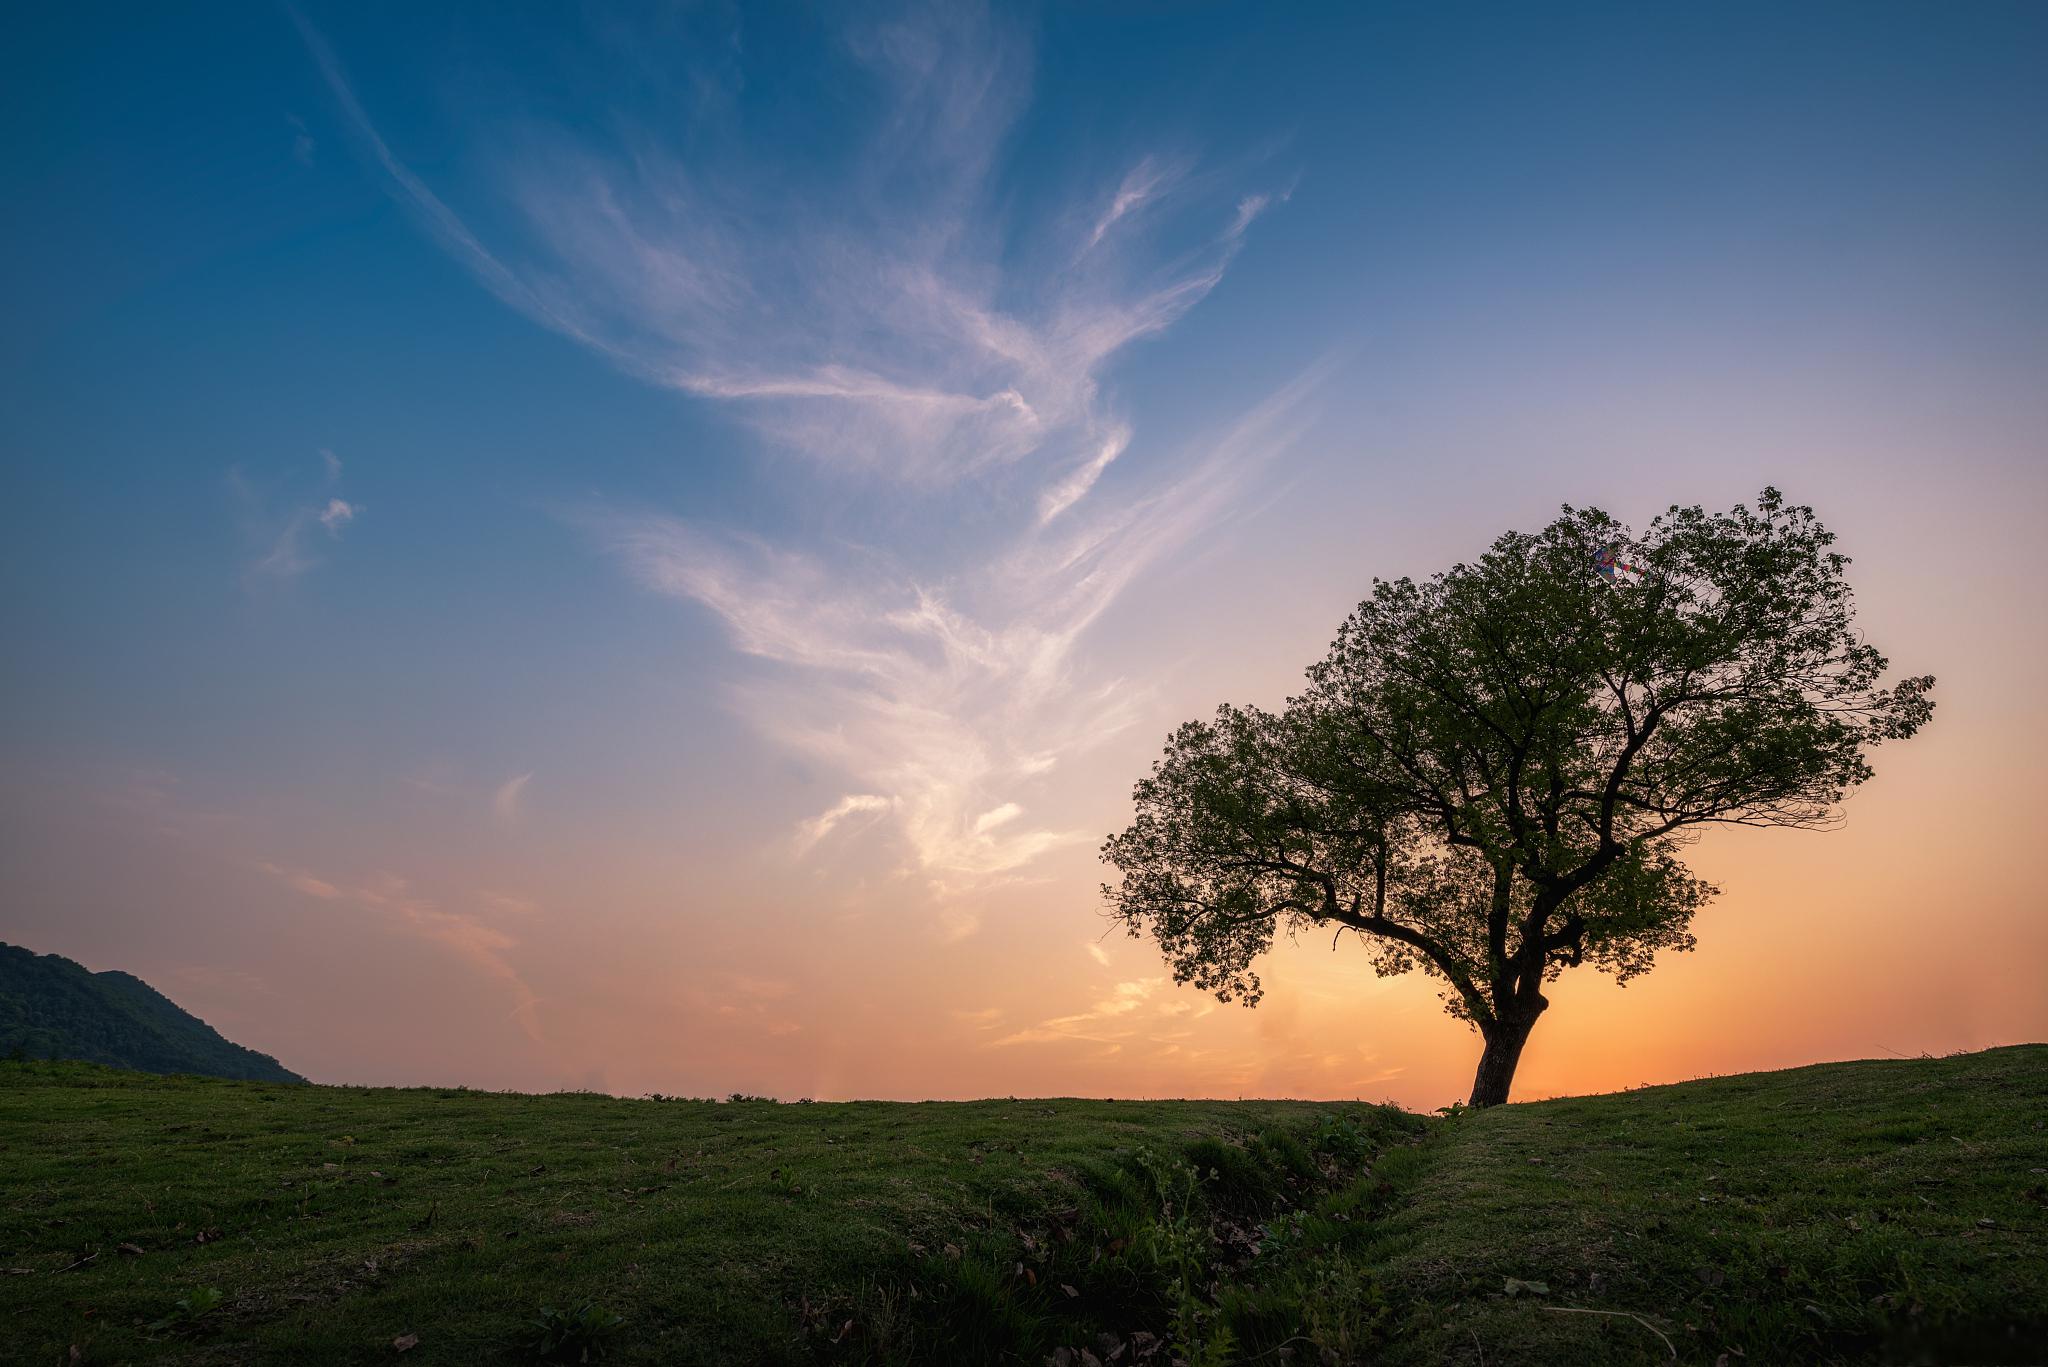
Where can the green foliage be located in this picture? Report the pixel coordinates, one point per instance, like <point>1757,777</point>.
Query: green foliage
<point>1286,1154</point>
<point>1177,1244</point>
<point>578,1334</point>
<point>1492,773</point>
<point>52,1008</point>
<point>1342,1138</point>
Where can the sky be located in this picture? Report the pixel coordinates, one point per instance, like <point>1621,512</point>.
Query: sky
<point>644,547</point>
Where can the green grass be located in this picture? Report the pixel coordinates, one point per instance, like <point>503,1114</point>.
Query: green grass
<point>1878,1211</point>
<point>1871,1211</point>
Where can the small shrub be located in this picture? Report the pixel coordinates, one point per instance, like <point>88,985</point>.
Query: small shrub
<point>1285,1153</point>
<point>1232,1177</point>
<point>1342,1138</point>
<point>1283,1235</point>
<point>573,1335</point>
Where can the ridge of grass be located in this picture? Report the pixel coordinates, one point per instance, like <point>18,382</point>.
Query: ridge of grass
<point>336,1221</point>
<point>1878,1211</point>
<point>1888,1211</point>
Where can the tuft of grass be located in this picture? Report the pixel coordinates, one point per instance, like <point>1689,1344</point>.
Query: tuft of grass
<point>578,1334</point>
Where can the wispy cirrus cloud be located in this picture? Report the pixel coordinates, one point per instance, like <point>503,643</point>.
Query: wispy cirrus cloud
<point>873,326</point>
<point>338,513</point>
<point>509,797</point>
<point>1142,183</point>
<point>810,832</point>
<point>1107,1021</point>
<point>946,702</point>
<point>282,541</point>
<point>882,322</point>
<point>303,882</point>
<point>468,936</point>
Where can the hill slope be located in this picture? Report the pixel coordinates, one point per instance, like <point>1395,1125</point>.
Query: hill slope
<point>1890,1210</point>
<point>52,1008</point>
<point>1885,1211</point>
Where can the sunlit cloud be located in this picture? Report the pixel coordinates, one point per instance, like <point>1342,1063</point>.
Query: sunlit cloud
<point>277,538</point>
<point>1102,1023</point>
<point>818,827</point>
<point>303,882</point>
<point>468,937</point>
<point>878,329</point>
<point>508,903</point>
<point>946,703</point>
<point>885,332</point>
<point>442,221</point>
<point>508,797</point>
<point>1071,489</point>
<point>1142,183</point>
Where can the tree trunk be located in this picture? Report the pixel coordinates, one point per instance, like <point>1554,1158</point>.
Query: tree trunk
<point>1504,1041</point>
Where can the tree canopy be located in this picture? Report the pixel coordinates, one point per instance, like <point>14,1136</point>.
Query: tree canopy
<point>1493,772</point>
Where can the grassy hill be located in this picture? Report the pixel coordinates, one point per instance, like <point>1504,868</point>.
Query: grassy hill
<point>1883,1211</point>
<point>51,1007</point>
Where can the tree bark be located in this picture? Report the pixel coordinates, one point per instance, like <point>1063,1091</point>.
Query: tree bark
<point>1504,1041</point>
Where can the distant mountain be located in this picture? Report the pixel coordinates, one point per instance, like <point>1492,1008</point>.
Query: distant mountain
<point>51,1007</point>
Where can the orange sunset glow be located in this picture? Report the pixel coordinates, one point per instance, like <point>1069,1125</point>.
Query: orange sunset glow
<point>530,572</point>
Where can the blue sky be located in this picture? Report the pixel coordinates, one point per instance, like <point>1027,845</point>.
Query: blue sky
<point>707,475</point>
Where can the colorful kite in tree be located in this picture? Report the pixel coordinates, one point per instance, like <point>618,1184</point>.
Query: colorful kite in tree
<point>1608,561</point>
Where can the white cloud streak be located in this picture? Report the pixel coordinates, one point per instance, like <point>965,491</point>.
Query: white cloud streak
<point>338,513</point>
<point>946,703</point>
<point>1143,182</point>
<point>440,220</point>
<point>882,329</point>
<point>509,797</point>
<point>279,553</point>
<point>818,827</point>
<point>466,936</point>
<point>1103,1023</point>
<point>879,334</point>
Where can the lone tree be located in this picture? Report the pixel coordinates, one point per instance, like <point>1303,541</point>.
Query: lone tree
<point>1492,774</point>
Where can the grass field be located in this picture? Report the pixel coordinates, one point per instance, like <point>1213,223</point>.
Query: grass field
<point>1884,1211</point>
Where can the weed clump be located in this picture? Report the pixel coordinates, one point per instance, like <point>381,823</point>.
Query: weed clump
<point>577,1334</point>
